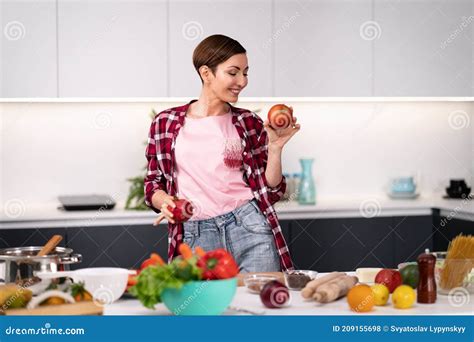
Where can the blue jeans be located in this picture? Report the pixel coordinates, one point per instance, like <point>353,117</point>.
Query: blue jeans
<point>244,232</point>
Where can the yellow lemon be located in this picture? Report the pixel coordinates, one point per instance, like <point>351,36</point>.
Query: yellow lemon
<point>381,294</point>
<point>403,297</point>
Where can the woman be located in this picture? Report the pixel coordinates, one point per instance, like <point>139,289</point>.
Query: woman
<point>225,160</point>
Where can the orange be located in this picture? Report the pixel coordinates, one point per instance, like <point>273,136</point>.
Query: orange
<point>361,298</point>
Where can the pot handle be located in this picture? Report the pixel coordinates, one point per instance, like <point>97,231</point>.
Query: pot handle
<point>71,259</point>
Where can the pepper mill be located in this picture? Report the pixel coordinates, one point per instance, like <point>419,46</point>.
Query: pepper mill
<point>426,291</point>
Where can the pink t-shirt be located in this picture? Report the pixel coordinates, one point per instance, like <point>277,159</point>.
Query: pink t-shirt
<point>209,166</point>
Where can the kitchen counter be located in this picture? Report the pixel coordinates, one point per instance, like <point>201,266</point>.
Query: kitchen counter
<point>48,215</point>
<point>298,306</point>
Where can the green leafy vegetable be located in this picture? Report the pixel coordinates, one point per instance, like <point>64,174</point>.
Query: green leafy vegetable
<point>153,280</point>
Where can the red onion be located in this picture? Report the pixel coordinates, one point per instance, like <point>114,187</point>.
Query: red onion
<point>183,210</point>
<point>274,294</point>
<point>280,116</point>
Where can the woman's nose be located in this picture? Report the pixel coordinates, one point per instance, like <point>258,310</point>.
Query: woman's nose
<point>242,81</point>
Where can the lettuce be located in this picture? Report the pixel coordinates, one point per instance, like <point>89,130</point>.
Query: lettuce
<point>153,280</point>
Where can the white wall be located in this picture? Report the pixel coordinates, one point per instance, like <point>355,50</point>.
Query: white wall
<point>67,148</point>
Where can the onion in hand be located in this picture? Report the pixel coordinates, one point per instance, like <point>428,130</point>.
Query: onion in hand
<point>280,116</point>
<point>183,210</point>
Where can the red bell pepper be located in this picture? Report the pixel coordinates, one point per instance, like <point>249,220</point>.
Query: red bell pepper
<point>218,264</point>
<point>153,260</point>
<point>132,280</point>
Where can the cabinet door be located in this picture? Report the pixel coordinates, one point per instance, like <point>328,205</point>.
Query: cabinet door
<point>424,48</point>
<point>327,245</point>
<point>286,230</point>
<point>447,229</point>
<point>28,48</point>
<point>363,242</point>
<point>248,21</point>
<point>29,237</point>
<point>412,235</point>
<point>318,48</point>
<point>117,246</point>
<point>112,48</point>
<point>309,244</point>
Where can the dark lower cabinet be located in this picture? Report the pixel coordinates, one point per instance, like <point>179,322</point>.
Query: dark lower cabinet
<point>286,230</point>
<point>117,246</point>
<point>412,235</point>
<point>29,237</point>
<point>448,228</point>
<point>306,244</point>
<point>324,245</point>
<point>341,244</point>
<point>345,244</point>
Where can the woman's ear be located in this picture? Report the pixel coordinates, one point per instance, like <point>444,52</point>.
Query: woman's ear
<point>205,72</point>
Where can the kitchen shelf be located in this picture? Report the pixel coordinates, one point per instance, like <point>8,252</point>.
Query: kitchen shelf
<point>48,216</point>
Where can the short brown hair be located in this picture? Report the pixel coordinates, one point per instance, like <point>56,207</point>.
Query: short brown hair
<point>214,50</point>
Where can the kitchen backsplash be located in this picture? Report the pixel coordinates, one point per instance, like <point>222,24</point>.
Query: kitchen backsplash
<point>52,148</point>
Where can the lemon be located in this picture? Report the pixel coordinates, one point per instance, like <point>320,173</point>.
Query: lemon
<point>403,297</point>
<point>381,294</point>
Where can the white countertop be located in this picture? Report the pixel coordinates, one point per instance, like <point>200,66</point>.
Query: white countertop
<point>48,215</point>
<point>299,306</point>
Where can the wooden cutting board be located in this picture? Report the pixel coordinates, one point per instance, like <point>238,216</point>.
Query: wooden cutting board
<point>81,308</point>
<point>241,276</point>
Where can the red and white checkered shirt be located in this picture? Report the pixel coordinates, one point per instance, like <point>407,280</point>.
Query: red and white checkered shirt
<point>161,175</point>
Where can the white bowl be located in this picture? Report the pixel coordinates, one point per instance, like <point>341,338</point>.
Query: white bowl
<point>106,284</point>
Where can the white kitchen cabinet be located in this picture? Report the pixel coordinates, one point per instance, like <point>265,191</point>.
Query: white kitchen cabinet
<point>318,49</point>
<point>424,48</point>
<point>112,48</point>
<point>28,48</point>
<point>249,22</point>
<point>1,55</point>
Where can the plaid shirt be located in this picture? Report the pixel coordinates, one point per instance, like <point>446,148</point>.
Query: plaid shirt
<point>161,173</point>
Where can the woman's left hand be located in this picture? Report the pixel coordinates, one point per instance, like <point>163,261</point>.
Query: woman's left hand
<point>279,138</point>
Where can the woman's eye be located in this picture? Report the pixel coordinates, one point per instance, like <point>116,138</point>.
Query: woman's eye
<point>235,74</point>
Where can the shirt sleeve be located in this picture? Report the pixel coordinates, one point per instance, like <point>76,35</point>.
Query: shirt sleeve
<point>260,152</point>
<point>154,179</point>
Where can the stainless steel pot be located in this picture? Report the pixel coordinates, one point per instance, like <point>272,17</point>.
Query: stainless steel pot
<point>19,264</point>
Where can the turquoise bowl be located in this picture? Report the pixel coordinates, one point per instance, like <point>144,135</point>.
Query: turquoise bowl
<point>198,298</point>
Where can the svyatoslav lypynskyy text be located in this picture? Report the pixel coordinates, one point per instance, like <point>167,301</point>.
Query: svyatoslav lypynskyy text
<point>428,329</point>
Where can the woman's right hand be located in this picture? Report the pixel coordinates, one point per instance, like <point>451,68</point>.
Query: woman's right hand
<point>162,201</point>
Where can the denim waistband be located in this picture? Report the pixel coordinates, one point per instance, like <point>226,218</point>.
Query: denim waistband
<point>232,215</point>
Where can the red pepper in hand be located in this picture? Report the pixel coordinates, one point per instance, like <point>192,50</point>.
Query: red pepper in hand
<point>218,264</point>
